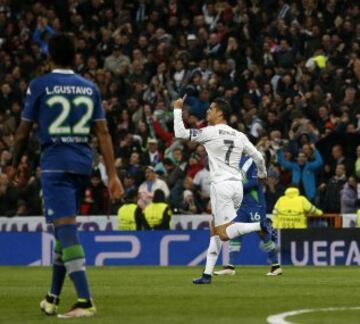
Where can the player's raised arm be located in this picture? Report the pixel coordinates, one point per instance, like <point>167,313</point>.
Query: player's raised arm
<point>251,150</point>
<point>199,135</point>
<point>102,133</point>
<point>179,127</point>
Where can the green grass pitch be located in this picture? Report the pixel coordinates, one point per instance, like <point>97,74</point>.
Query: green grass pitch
<point>132,295</point>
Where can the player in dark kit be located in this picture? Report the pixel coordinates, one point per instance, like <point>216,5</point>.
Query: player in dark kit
<point>66,107</point>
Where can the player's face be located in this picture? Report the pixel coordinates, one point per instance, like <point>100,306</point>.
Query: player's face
<point>211,114</point>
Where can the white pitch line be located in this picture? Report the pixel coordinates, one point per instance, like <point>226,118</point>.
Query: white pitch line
<point>281,318</point>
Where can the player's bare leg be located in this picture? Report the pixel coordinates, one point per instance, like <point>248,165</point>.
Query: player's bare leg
<point>213,252</point>
<point>232,230</point>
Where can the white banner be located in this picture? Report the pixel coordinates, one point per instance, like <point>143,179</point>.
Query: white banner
<point>190,222</point>
<point>349,220</point>
<point>110,223</point>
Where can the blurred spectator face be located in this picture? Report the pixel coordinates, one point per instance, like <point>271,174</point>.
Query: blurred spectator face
<point>199,21</point>
<point>5,89</point>
<point>201,151</point>
<point>304,139</point>
<point>340,170</point>
<point>95,181</point>
<point>306,148</point>
<point>352,182</point>
<point>92,63</point>
<point>350,95</point>
<point>143,42</point>
<point>351,129</point>
<point>178,155</point>
<point>153,147</point>
<point>142,128</point>
<point>6,157</point>
<point>323,113</point>
<point>275,135</point>
<point>204,95</point>
<point>135,158</point>
<point>132,104</point>
<point>301,159</point>
<point>150,175</point>
<point>128,182</point>
<point>358,151</point>
<point>161,68</point>
<point>213,39</point>
<point>271,117</point>
<point>337,152</point>
<point>179,65</point>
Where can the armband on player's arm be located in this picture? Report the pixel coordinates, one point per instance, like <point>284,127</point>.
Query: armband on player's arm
<point>179,127</point>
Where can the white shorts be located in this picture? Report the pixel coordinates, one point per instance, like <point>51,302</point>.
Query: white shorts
<point>226,197</point>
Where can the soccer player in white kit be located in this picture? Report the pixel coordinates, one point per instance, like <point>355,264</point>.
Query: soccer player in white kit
<point>225,147</point>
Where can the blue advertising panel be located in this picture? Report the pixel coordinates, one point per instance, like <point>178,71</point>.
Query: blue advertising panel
<point>125,248</point>
<point>320,247</point>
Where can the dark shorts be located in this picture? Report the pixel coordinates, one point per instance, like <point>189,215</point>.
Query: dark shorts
<point>62,194</point>
<point>250,214</point>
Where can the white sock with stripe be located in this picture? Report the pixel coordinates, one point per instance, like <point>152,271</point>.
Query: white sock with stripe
<point>212,254</point>
<point>238,229</point>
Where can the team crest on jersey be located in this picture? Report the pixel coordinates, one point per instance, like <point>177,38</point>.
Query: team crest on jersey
<point>195,132</point>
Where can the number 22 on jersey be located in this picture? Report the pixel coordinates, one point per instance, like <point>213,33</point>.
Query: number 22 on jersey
<point>59,125</point>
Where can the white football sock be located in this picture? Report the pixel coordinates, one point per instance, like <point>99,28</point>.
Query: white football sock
<point>238,229</point>
<point>212,254</point>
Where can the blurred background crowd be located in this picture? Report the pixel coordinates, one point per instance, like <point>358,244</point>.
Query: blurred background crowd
<point>290,70</point>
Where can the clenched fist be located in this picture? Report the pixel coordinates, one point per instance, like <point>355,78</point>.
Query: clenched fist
<point>179,103</point>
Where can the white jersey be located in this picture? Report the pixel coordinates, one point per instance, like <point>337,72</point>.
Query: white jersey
<point>224,146</point>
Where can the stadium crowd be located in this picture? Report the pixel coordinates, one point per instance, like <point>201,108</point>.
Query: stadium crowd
<point>290,70</point>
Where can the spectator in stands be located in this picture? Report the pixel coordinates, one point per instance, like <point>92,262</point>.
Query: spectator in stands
<point>135,169</point>
<point>148,187</point>
<point>349,197</point>
<point>338,157</point>
<point>202,183</point>
<point>130,215</point>
<point>183,198</point>
<point>22,208</point>
<point>303,171</point>
<point>333,188</point>
<point>97,196</point>
<point>290,62</point>
<point>290,210</point>
<point>152,156</point>
<point>173,172</point>
<point>273,189</point>
<point>158,213</point>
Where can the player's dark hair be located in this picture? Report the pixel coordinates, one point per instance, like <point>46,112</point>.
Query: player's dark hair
<point>62,50</point>
<point>223,106</point>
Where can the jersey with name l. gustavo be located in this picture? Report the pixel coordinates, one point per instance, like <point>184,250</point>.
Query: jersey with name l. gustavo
<point>64,105</point>
<point>225,147</point>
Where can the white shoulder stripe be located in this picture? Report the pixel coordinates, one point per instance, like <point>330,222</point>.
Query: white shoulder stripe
<point>247,165</point>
